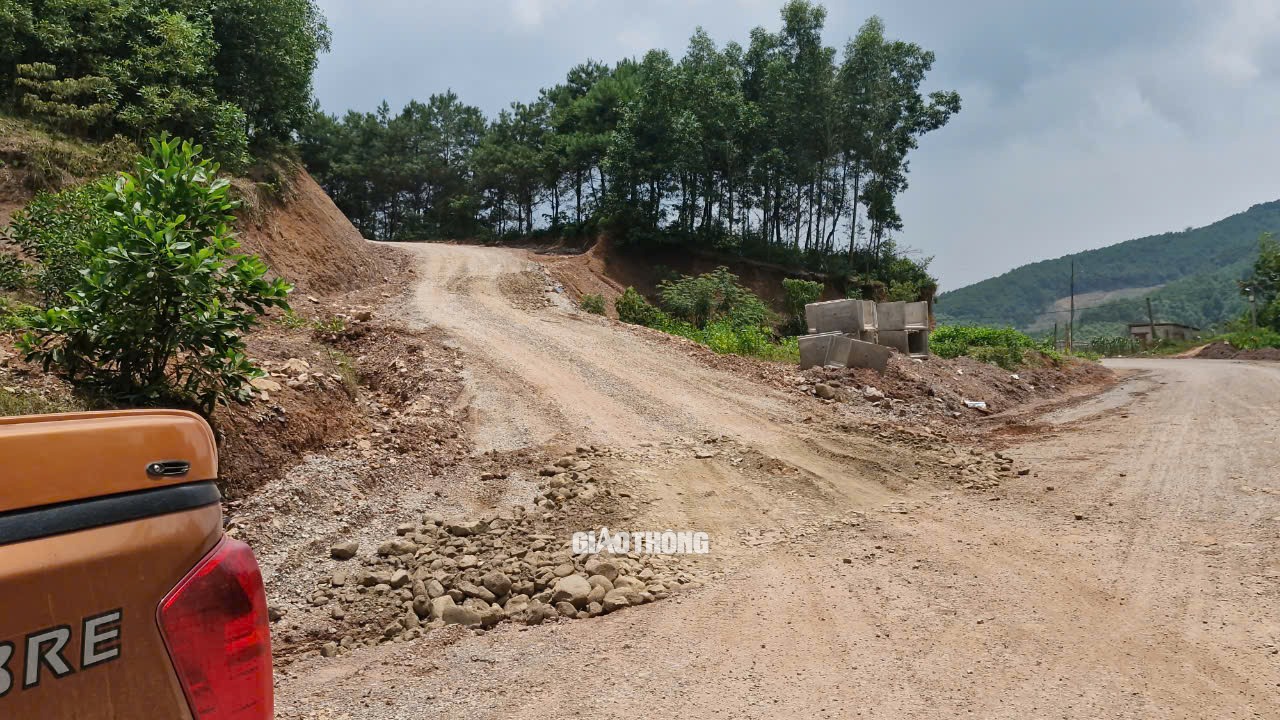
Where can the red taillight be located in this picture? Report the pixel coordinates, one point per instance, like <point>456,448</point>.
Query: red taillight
<point>215,626</point>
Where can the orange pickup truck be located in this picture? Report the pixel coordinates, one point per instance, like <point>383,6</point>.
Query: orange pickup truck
<point>119,595</point>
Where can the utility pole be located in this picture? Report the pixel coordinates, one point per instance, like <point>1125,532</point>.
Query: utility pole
<point>1055,336</point>
<point>1253,307</point>
<point>1151,318</point>
<point>1071,324</point>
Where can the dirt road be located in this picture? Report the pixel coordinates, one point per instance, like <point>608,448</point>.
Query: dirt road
<point>1133,574</point>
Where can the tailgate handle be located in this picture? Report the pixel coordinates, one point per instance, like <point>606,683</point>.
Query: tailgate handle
<point>168,468</point>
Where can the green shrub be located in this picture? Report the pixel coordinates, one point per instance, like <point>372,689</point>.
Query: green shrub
<point>16,316</point>
<point>796,294</point>
<point>1254,339</point>
<point>50,228</point>
<point>710,297</point>
<point>1008,358</point>
<point>633,308</point>
<point>593,304</point>
<point>13,273</point>
<point>160,311</point>
<point>1002,346</point>
<point>980,336</point>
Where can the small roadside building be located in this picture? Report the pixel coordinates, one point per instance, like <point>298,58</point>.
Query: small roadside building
<point>1163,331</point>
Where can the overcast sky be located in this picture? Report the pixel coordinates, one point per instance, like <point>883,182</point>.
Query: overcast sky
<point>1084,123</point>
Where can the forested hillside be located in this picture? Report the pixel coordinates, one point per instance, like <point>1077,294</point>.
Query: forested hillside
<point>784,150</point>
<point>232,74</point>
<point>1198,270</point>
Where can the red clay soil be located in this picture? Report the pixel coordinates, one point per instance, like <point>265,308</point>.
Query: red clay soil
<point>309,242</point>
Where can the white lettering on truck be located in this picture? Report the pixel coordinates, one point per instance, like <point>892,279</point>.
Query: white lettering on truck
<point>48,649</point>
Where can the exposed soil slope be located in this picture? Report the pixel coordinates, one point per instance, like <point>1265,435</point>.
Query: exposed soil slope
<point>305,238</point>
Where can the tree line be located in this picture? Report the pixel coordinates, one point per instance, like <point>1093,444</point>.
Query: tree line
<point>783,149</point>
<point>234,74</point>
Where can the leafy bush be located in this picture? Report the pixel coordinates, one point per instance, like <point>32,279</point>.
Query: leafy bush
<point>1002,346</point>
<point>1254,339</point>
<point>50,228</point>
<point>980,336</point>
<point>1008,358</point>
<point>710,297</point>
<point>161,308</point>
<point>16,316</point>
<point>796,294</point>
<point>722,336</point>
<point>593,304</point>
<point>13,273</point>
<point>633,308</point>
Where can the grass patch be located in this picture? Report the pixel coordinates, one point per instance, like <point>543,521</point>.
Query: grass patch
<point>25,402</point>
<point>347,371</point>
<point>50,160</point>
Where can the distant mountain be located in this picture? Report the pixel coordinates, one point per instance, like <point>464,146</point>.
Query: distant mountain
<point>1190,276</point>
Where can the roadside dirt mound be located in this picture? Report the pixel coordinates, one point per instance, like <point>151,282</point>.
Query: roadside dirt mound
<point>307,240</point>
<point>1226,351</point>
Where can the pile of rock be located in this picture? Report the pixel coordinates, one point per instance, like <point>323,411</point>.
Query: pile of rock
<point>478,573</point>
<point>295,374</point>
<point>975,470</point>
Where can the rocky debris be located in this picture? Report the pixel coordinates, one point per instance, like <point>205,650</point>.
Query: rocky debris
<point>344,550</point>
<point>976,470</point>
<point>515,566</point>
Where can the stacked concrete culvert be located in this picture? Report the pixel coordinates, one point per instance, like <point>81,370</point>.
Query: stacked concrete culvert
<point>859,333</point>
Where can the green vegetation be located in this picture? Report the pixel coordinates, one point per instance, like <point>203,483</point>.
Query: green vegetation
<point>1004,347</point>
<point>162,303</point>
<point>712,309</point>
<point>1263,283</point>
<point>16,315</point>
<point>713,297</point>
<point>1255,339</point>
<point>593,304</point>
<point>48,228</point>
<point>13,273</point>
<point>797,294</point>
<point>783,150</point>
<point>25,402</point>
<point>1198,271</point>
<point>1115,346</point>
<point>233,73</point>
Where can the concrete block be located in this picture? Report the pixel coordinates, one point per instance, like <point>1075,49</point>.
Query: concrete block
<point>896,339</point>
<point>838,353</point>
<point>867,355</point>
<point>892,316</point>
<point>847,316</point>
<point>918,343</point>
<point>916,315</point>
<point>814,349</point>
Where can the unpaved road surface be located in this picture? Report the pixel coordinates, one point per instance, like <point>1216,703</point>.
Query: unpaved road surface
<point>1133,573</point>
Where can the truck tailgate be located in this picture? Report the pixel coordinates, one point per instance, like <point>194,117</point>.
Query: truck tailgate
<point>78,634</point>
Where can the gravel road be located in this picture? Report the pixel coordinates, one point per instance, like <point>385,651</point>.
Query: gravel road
<point>1133,573</point>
